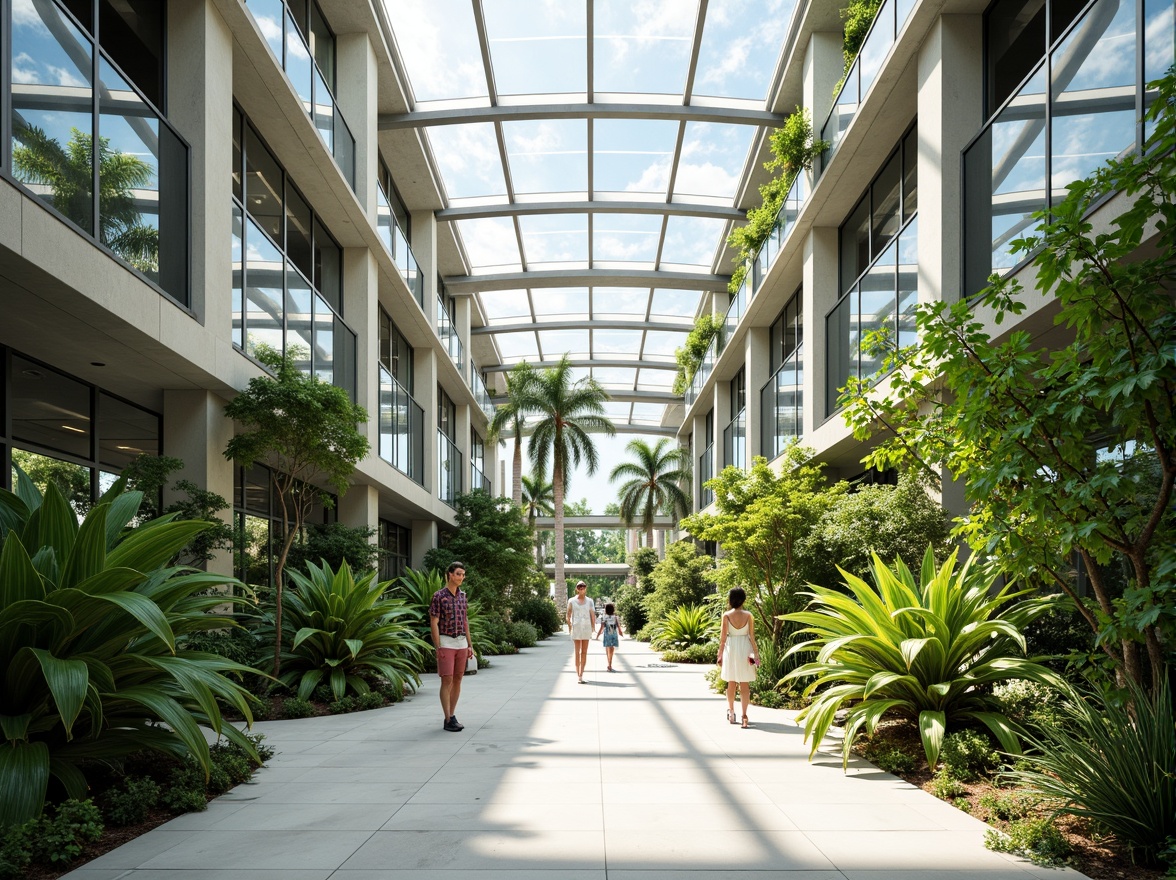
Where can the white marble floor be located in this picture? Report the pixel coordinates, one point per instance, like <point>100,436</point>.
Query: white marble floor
<point>634,775</point>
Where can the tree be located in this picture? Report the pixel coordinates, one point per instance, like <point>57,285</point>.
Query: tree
<point>1066,452</point>
<point>494,542</point>
<point>510,417</point>
<point>305,429</point>
<point>568,413</point>
<point>659,480</point>
<point>333,544</point>
<point>762,521</point>
<point>538,499</point>
<point>685,577</point>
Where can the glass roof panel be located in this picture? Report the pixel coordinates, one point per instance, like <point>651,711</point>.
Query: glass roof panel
<point>468,159</point>
<point>505,305</point>
<point>625,238</point>
<point>740,44</point>
<point>692,241</point>
<point>632,155</point>
<point>555,241</point>
<point>517,346</point>
<point>656,380</point>
<point>642,47</point>
<point>620,302</point>
<point>560,303</point>
<point>678,303</point>
<point>615,377</point>
<point>713,156</point>
<point>648,413</point>
<point>547,155</point>
<point>537,47</point>
<point>626,343</point>
<point>660,344</point>
<point>491,244</point>
<point>617,410</point>
<point>556,343</point>
<point>439,44</point>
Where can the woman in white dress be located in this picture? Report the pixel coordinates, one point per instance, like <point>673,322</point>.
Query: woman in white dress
<point>581,619</point>
<point>738,653</point>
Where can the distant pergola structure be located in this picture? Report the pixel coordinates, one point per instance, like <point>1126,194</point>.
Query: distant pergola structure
<point>661,525</point>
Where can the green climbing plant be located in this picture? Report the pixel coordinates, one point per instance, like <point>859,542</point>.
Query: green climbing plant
<point>690,355</point>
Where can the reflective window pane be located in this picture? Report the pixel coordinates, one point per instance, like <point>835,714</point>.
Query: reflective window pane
<point>328,267</point>
<point>910,175</point>
<point>299,334</point>
<point>885,215</point>
<point>908,283</point>
<point>855,243</point>
<point>263,186</point>
<point>49,409</point>
<point>298,64</point>
<point>324,341</point>
<point>238,280</point>
<point>73,480</point>
<point>877,315</point>
<point>132,33</point>
<point>125,431</point>
<point>263,293</point>
<point>298,232</point>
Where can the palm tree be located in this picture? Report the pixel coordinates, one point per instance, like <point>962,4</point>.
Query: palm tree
<point>659,480</point>
<point>538,498</point>
<point>568,412</point>
<point>509,417</point>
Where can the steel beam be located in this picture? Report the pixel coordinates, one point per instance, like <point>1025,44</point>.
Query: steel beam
<point>467,284</point>
<point>732,114</point>
<point>593,324</point>
<point>675,209</point>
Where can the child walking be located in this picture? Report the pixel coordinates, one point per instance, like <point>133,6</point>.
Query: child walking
<point>738,653</point>
<point>610,625</point>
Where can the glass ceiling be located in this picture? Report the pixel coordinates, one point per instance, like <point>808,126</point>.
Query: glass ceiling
<point>579,184</point>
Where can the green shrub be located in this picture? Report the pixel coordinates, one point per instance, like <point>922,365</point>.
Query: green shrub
<point>962,804</point>
<point>52,841</point>
<point>770,699</point>
<point>495,630</point>
<point>916,648</point>
<point>1114,763</point>
<point>371,700</point>
<point>130,803</point>
<point>686,576</point>
<point>704,653</point>
<point>506,648</point>
<point>1006,807</point>
<point>342,706</point>
<point>540,613</point>
<point>91,618</point>
<point>889,758</point>
<point>647,633</point>
<point>343,630</point>
<point>968,755</point>
<point>1036,839</point>
<point>685,626</point>
<point>1027,704</point>
<point>185,800</point>
<point>946,787</point>
<point>522,634</point>
<point>237,644</point>
<point>296,708</point>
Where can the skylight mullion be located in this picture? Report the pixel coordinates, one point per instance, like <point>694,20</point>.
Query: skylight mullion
<point>589,8</point>
<point>661,242</point>
<point>695,46</point>
<point>484,48</point>
<point>591,163</point>
<point>673,164</point>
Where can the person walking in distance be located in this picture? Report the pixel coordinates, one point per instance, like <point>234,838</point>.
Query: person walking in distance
<point>581,619</point>
<point>450,621</point>
<point>738,653</point>
<point>610,625</point>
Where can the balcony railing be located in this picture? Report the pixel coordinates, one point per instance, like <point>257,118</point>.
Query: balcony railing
<point>292,51</point>
<point>397,245</point>
<point>447,333</point>
<point>479,480</point>
<point>757,271</point>
<point>735,441</point>
<point>485,401</point>
<point>402,428</point>
<point>782,406</point>
<point>706,470</point>
<point>865,69</point>
<point>448,470</point>
<point>73,111</point>
<point>1078,109</point>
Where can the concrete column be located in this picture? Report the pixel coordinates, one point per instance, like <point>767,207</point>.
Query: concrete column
<point>195,430</point>
<point>360,310</point>
<point>461,325</point>
<point>951,75</point>
<point>200,99</point>
<point>356,73</point>
<point>424,539</point>
<point>424,364</point>
<point>824,63</point>
<point>424,248</point>
<point>360,507</point>
<point>758,361</point>
<point>819,294</point>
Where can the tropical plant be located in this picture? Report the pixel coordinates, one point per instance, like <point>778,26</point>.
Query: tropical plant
<point>685,577</point>
<point>568,413</point>
<point>658,481</point>
<point>345,631</point>
<point>417,588</point>
<point>630,598</point>
<point>541,613</point>
<point>538,500</point>
<point>68,171</point>
<point>306,429</point>
<point>689,356</point>
<point>859,17</point>
<point>921,649</point>
<point>685,626</point>
<point>1069,451</point>
<point>90,627</point>
<point>1111,761</point>
<point>510,416</point>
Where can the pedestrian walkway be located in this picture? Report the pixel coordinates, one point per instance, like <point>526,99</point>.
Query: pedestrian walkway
<point>634,775</point>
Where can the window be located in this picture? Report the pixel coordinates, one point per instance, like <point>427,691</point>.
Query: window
<point>287,270</point>
<point>395,353</point>
<point>706,463</point>
<point>782,397</point>
<point>1018,33</point>
<point>395,544</point>
<point>735,434</point>
<point>446,414</point>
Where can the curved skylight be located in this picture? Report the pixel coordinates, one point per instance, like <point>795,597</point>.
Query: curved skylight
<point>537,115</point>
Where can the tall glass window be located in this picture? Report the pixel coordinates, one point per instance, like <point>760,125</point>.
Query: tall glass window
<point>393,225</point>
<point>706,463</point>
<point>735,434</point>
<point>287,270</point>
<point>86,133</point>
<point>401,419</point>
<point>879,277</point>
<point>395,544</point>
<point>782,396</point>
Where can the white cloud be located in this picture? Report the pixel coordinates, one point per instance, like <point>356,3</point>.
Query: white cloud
<point>437,41</point>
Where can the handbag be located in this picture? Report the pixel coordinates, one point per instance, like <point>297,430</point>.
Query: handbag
<point>471,667</point>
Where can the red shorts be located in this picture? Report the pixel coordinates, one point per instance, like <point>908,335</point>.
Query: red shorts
<point>451,661</point>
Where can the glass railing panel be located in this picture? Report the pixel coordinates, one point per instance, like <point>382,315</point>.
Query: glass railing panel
<point>782,400</point>
<point>385,223</point>
<point>902,11</point>
<point>875,48</point>
<point>841,115</point>
<point>485,401</point>
<point>735,442</point>
<point>299,65</point>
<point>479,480</point>
<point>269,15</point>
<point>448,470</point>
<point>1159,47</point>
<point>344,151</point>
<point>1092,94</point>
<point>299,320</point>
<point>401,427</point>
<point>324,111</point>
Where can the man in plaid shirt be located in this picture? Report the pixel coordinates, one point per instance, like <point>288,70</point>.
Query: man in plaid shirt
<point>450,621</point>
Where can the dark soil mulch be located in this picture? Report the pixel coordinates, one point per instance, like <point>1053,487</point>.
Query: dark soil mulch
<point>1098,856</point>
